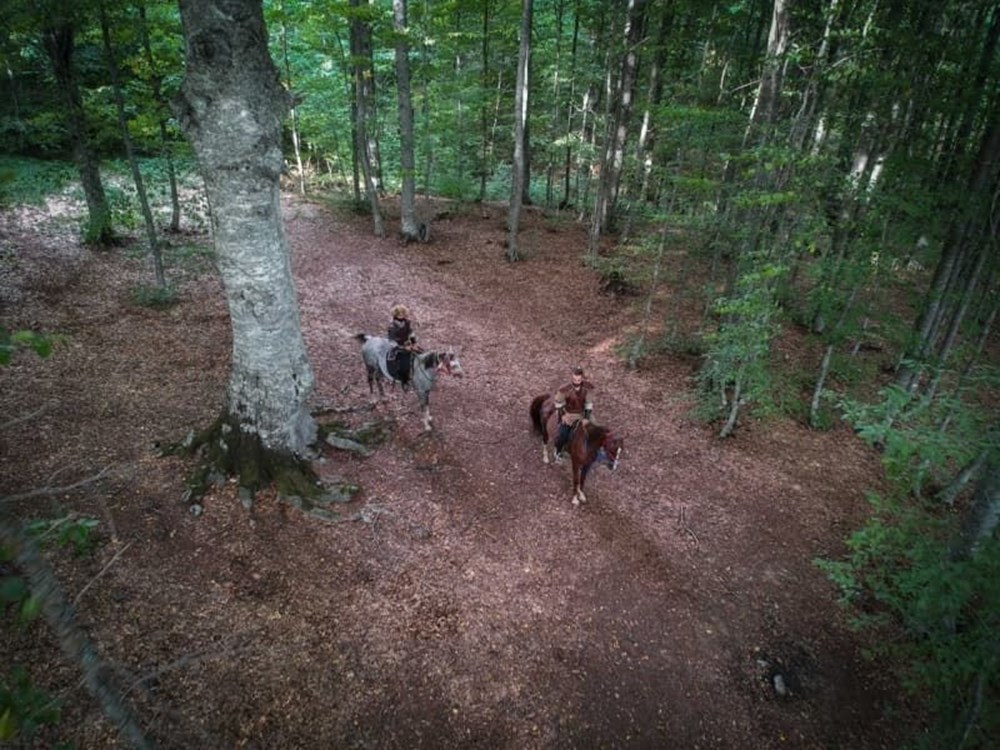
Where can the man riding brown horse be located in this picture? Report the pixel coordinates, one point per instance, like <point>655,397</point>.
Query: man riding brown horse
<point>573,403</point>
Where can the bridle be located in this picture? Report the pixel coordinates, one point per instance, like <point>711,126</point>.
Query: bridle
<point>444,365</point>
<point>604,457</point>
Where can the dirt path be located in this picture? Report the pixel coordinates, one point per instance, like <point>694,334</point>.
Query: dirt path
<point>472,606</point>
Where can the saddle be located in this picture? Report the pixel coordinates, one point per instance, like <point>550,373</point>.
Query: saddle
<point>399,363</point>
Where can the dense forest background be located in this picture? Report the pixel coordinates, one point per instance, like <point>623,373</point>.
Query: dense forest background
<point>750,173</point>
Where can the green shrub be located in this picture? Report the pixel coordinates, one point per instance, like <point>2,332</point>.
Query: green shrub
<point>155,296</point>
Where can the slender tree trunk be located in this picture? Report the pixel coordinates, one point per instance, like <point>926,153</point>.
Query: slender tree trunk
<point>156,83</point>
<point>973,92</point>
<point>568,166</point>
<point>230,106</point>
<point>824,367</point>
<point>58,43</point>
<point>484,165</point>
<point>409,228</point>
<point>956,247</point>
<point>520,120</point>
<point>983,516</point>
<point>614,152</point>
<point>293,118</point>
<point>140,188</point>
<point>363,146</point>
<point>644,147</point>
<point>647,309</point>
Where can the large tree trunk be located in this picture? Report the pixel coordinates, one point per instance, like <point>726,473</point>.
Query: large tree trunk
<point>520,135</point>
<point>409,228</point>
<point>58,43</point>
<point>230,107</point>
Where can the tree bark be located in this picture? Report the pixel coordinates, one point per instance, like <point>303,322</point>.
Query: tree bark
<point>58,43</point>
<point>363,92</point>
<point>293,116</point>
<point>140,188</point>
<point>520,122</point>
<point>957,246</point>
<point>156,84</point>
<point>614,151</point>
<point>230,106</point>
<point>983,515</point>
<point>409,227</point>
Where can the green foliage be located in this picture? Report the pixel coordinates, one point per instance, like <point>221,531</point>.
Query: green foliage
<point>72,531</point>
<point>154,296</point>
<point>737,355</point>
<point>899,576</point>
<point>10,342</point>
<point>23,707</point>
<point>31,180</point>
<point>915,448</point>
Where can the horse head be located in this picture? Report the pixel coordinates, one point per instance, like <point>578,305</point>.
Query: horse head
<point>611,449</point>
<point>448,362</point>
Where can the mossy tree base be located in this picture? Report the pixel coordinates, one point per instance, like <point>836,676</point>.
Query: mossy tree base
<point>225,451</point>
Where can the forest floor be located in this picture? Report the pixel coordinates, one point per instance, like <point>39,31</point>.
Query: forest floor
<point>462,602</point>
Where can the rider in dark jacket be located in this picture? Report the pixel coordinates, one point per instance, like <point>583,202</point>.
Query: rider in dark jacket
<point>400,328</point>
<point>400,333</point>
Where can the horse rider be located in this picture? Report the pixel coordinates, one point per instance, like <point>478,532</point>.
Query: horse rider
<point>573,404</point>
<point>400,333</point>
<point>400,328</point>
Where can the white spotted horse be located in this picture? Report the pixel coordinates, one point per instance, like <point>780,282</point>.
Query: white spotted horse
<point>384,360</point>
<point>588,443</point>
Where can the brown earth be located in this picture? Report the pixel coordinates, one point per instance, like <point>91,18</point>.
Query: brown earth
<point>462,602</point>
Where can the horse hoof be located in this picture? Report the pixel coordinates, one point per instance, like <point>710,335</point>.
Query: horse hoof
<point>576,501</point>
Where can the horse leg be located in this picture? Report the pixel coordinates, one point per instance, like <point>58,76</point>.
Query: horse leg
<point>425,403</point>
<point>577,481</point>
<point>545,452</point>
<point>583,478</point>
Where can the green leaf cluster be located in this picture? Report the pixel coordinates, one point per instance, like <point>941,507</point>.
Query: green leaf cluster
<point>937,617</point>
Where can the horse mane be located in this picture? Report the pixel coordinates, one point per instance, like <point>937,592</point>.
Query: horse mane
<point>596,430</point>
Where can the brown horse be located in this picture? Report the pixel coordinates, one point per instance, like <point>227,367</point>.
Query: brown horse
<point>588,443</point>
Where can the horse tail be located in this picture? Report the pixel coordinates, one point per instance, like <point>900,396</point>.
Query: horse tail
<point>362,337</point>
<point>536,414</point>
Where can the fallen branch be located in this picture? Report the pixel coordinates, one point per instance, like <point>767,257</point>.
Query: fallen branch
<point>58,613</point>
<point>101,572</point>
<point>49,491</point>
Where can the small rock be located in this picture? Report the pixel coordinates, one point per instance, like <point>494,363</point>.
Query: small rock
<point>196,510</point>
<point>779,686</point>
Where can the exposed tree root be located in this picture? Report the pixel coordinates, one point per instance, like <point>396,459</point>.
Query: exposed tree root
<point>224,451</point>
